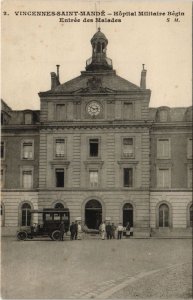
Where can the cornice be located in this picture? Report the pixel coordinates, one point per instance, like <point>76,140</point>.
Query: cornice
<point>53,94</point>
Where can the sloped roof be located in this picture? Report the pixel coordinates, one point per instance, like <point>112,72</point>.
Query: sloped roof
<point>108,80</point>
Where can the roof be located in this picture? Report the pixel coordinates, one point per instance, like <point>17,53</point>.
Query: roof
<point>99,35</point>
<point>107,80</point>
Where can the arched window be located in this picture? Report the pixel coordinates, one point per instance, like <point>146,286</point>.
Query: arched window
<point>163,215</point>
<point>191,215</point>
<point>26,215</point>
<point>58,205</point>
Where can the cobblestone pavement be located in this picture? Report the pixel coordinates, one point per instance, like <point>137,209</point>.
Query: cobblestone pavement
<point>126,269</point>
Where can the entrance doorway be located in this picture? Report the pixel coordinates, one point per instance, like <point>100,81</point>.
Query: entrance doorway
<point>128,214</point>
<point>93,214</point>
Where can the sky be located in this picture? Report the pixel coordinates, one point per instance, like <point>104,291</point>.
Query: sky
<point>32,46</point>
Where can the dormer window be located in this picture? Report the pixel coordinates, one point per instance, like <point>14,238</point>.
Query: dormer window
<point>28,118</point>
<point>162,114</point>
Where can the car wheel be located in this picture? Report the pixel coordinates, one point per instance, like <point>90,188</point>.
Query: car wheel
<point>56,235</point>
<point>22,235</point>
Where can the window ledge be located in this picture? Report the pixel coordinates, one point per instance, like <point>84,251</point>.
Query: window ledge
<point>60,163</point>
<point>98,163</point>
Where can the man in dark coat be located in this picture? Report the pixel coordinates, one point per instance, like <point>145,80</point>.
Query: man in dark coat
<point>62,231</point>
<point>109,231</point>
<point>72,230</point>
<point>76,230</point>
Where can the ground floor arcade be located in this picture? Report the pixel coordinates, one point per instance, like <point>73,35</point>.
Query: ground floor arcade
<point>153,213</point>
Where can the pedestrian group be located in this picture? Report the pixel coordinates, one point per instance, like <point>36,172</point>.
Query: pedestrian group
<point>106,231</point>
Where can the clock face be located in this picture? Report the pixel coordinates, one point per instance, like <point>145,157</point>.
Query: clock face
<point>93,108</point>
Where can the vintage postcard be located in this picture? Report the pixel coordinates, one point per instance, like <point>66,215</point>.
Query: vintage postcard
<point>96,149</point>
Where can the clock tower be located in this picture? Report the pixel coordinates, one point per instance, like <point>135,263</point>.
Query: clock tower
<point>96,131</point>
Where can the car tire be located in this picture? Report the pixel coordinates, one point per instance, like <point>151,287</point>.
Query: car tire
<point>56,235</point>
<point>22,235</point>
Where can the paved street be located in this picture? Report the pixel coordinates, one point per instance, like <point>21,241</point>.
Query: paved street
<point>133,268</point>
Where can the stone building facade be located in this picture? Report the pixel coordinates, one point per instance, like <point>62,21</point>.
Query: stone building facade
<point>97,148</point>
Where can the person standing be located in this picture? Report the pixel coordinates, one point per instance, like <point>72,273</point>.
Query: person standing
<point>113,229</point>
<point>76,229</point>
<point>119,231</point>
<point>108,231</point>
<point>79,231</point>
<point>72,231</point>
<point>102,229</point>
<point>61,231</point>
<point>128,228</point>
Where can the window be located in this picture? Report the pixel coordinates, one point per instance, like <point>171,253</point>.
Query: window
<point>28,118</point>
<point>163,177</point>
<point>2,150</point>
<point>163,115</point>
<point>59,205</point>
<point>93,175</point>
<point>27,179</point>
<point>128,177</point>
<point>163,215</point>
<point>60,112</point>
<point>93,147</point>
<point>2,215</point>
<point>60,147</point>
<point>189,176</point>
<point>26,215</point>
<point>128,150</point>
<point>128,110</point>
<point>2,178</point>
<point>163,148</point>
<point>59,173</point>
<point>27,150</point>
<point>191,215</point>
<point>189,148</point>
<point>2,119</point>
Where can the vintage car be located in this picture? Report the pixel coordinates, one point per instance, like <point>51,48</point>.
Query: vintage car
<point>49,220</point>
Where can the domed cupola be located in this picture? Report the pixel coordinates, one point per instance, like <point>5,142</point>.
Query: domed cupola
<point>99,60</point>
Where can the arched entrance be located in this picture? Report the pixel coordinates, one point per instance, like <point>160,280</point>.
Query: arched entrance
<point>93,214</point>
<point>127,214</point>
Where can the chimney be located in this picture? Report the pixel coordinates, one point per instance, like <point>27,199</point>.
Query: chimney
<point>54,80</point>
<point>143,78</point>
<point>58,66</point>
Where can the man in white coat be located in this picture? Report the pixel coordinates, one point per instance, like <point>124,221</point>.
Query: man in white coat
<point>103,229</point>
<point>119,231</point>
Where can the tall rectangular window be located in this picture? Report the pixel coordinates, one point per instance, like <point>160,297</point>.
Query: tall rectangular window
<point>163,148</point>
<point>163,178</point>
<point>189,177</point>
<point>60,147</point>
<point>60,112</point>
<point>189,148</point>
<point>2,150</point>
<point>128,110</point>
<point>93,147</point>
<point>128,150</point>
<point>27,150</point>
<point>27,179</point>
<point>59,174</point>
<point>127,177</point>
<point>93,178</point>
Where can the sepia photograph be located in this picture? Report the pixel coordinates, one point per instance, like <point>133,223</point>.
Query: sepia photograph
<point>96,149</point>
